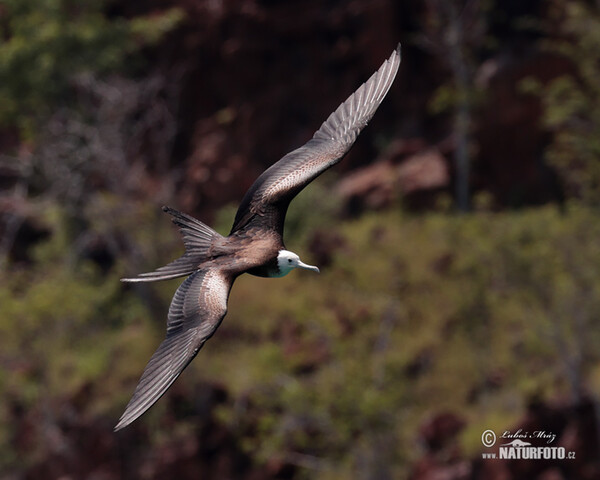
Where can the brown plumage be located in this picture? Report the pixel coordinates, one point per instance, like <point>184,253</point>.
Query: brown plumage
<point>255,244</point>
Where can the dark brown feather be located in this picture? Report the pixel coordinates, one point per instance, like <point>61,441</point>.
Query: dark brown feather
<point>266,201</point>
<point>197,309</point>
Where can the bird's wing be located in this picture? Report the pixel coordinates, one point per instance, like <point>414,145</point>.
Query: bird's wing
<point>279,184</point>
<point>197,308</point>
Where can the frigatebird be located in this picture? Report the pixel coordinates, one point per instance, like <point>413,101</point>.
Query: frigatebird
<point>255,244</point>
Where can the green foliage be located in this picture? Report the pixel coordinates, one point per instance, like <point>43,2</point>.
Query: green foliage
<point>572,102</point>
<point>66,328</point>
<point>57,328</point>
<point>47,42</point>
<point>473,314</point>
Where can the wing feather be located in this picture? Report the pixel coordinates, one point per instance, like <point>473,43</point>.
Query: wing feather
<point>197,309</point>
<point>279,184</point>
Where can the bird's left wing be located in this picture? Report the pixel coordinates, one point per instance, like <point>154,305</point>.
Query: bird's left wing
<point>197,308</point>
<point>285,179</point>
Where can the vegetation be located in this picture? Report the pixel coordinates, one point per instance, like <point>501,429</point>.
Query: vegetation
<point>417,311</point>
<point>46,43</point>
<point>572,101</point>
<point>409,324</point>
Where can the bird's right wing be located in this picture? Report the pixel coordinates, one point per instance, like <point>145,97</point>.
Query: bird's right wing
<point>280,183</point>
<point>197,308</point>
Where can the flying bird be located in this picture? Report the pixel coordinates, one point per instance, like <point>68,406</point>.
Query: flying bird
<point>255,245</point>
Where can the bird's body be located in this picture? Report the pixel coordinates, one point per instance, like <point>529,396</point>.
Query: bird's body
<point>255,244</point>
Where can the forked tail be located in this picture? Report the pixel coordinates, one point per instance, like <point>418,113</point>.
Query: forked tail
<point>197,238</point>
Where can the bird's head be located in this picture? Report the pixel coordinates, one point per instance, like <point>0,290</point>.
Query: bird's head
<point>286,261</point>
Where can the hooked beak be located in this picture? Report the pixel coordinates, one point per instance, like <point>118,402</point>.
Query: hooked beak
<point>308,267</point>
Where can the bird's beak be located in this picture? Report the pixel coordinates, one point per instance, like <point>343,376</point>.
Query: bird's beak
<point>308,267</point>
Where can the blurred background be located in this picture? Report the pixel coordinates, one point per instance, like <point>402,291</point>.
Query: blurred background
<point>458,241</point>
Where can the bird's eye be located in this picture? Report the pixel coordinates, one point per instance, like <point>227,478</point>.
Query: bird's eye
<point>289,260</point>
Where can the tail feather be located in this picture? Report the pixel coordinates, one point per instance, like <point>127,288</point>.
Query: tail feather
<point>197,238</point>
